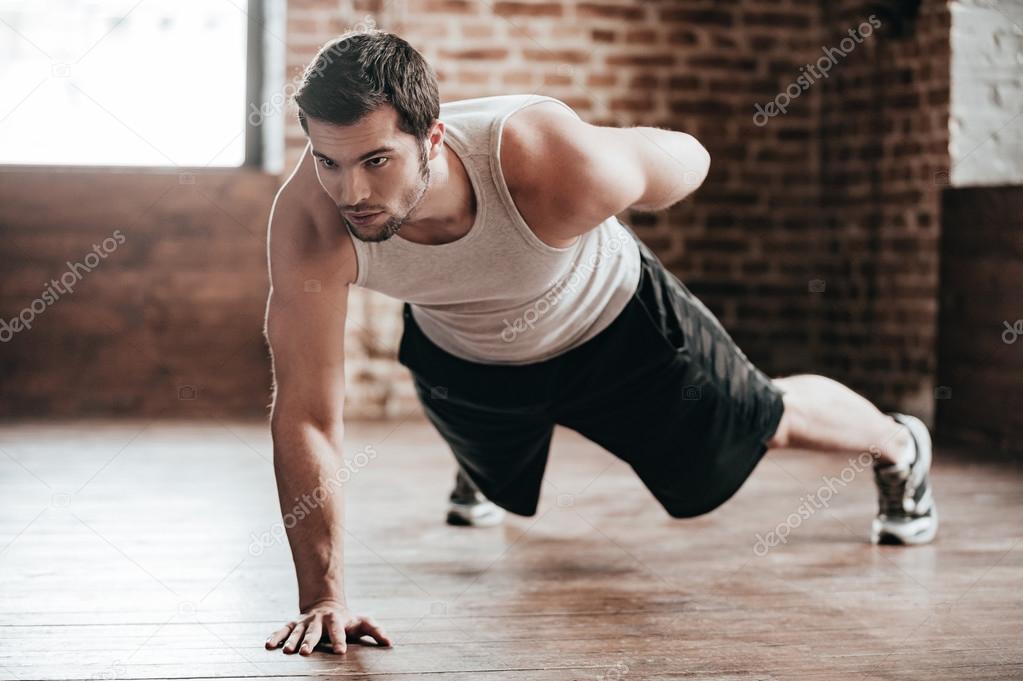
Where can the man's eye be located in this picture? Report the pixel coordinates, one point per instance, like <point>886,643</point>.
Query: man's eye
<point>378,158</point>
<point>326,162</point>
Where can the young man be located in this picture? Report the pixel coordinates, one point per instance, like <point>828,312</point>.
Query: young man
<point>528,304</point>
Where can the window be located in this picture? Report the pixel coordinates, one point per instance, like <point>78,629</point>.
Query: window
<point>128,82</point>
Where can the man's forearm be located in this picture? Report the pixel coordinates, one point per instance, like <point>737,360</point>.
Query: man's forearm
<point>306,462</point>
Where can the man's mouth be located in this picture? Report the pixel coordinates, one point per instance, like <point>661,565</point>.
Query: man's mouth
<point>362,218</point>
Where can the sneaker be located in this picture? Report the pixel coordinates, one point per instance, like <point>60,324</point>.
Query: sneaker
<point>468,506</point>
<point>906,513</point>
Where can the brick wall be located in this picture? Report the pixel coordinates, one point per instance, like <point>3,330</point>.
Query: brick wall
<point>160,290</point>
<point>884,161</point>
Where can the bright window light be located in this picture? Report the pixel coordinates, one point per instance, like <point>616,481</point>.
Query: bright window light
<point>123,82</point>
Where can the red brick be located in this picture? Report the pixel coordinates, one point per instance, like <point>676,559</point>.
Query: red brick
<point>710,17</point>
<point>686,82</point>
<point>664,59</point>
<point>567,56</point>
<point>645,37</point>
<point>702,105</point>
<point>776,19</point>
<point>588,10</point>
<point>683,37</point>
<point>724,62</point>
<point>448,6</point>
<point>601,80</point>
<point>631,104</point>
<point>478,54</point>
<point>529,9</point>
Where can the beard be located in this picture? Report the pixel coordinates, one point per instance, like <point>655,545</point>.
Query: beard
<point>394,223</point>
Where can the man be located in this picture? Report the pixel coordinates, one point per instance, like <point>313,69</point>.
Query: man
<point>528,304</point>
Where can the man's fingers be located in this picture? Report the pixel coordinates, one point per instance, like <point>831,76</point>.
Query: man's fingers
<point>291,645</point>
<point>336,631</point>
<point>338,627</point>
<point>367,627</point>
<point>312,636</point>
<point>278,636</point>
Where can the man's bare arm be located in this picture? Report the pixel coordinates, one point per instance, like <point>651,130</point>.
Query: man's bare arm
<point>672,164</point>
<point>578,175</point>
<point>312,264</point>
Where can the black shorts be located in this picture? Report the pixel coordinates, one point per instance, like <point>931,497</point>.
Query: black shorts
<point>663,387</point>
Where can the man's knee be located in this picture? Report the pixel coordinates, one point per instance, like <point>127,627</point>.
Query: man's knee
<point>786,431</point>
<point>692,500</point>
<point>686,508</point>
<point>782,436</point>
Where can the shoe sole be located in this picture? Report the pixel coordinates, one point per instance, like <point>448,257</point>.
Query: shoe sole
<point>887,537</point>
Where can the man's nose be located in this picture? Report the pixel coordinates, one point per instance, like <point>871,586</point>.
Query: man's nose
<point>352,191</point>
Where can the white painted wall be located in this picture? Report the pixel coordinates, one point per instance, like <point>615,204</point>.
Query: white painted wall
<point>986,121</point>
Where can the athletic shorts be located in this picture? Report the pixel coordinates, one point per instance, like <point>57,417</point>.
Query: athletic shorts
<point>663,387</point>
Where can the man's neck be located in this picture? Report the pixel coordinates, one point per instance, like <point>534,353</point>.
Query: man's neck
<point>448,208</point>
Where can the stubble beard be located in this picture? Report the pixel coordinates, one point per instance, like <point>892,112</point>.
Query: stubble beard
<point>391,226</point>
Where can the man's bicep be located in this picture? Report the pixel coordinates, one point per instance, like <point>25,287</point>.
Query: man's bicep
<point>595,170</point>
<point>639,167</point>
<point>306,337</point>
<point>311,261</point>
<point>310,272</point>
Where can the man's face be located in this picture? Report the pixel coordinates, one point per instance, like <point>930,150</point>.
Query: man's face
<point>371,167</point>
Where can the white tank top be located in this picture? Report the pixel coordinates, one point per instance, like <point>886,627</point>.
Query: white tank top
<point>499,294</point>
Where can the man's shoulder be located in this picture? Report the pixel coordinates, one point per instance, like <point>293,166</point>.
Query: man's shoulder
<point>494,103</point>
<point>542,148</point>
<point>530,139</point>
<point>305,226</point>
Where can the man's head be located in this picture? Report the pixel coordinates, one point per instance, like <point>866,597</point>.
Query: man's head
<point>369,103</point>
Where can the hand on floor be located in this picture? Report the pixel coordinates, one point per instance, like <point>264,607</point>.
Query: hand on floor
<point>327,622</point>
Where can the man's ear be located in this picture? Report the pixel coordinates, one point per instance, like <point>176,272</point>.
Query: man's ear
<point>436,139</point>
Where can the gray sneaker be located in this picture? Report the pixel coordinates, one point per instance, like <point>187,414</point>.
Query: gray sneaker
<point>469,508</point>
<point>906,510</point>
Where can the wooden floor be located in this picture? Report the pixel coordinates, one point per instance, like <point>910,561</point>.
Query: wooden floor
<point>132,550</point>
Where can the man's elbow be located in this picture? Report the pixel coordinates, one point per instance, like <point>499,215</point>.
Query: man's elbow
<point>702,163</point>
<point>696,166</point>
<point>675,175</point>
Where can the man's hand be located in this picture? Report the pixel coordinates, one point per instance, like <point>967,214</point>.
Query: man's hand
<point>328,622</point>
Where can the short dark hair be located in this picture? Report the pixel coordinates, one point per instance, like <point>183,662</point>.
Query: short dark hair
<point>353,75</point>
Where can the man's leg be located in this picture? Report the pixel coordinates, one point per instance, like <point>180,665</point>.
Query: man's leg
<point>822,414</point>
<point>467,506</point>
<point>493,419</point>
